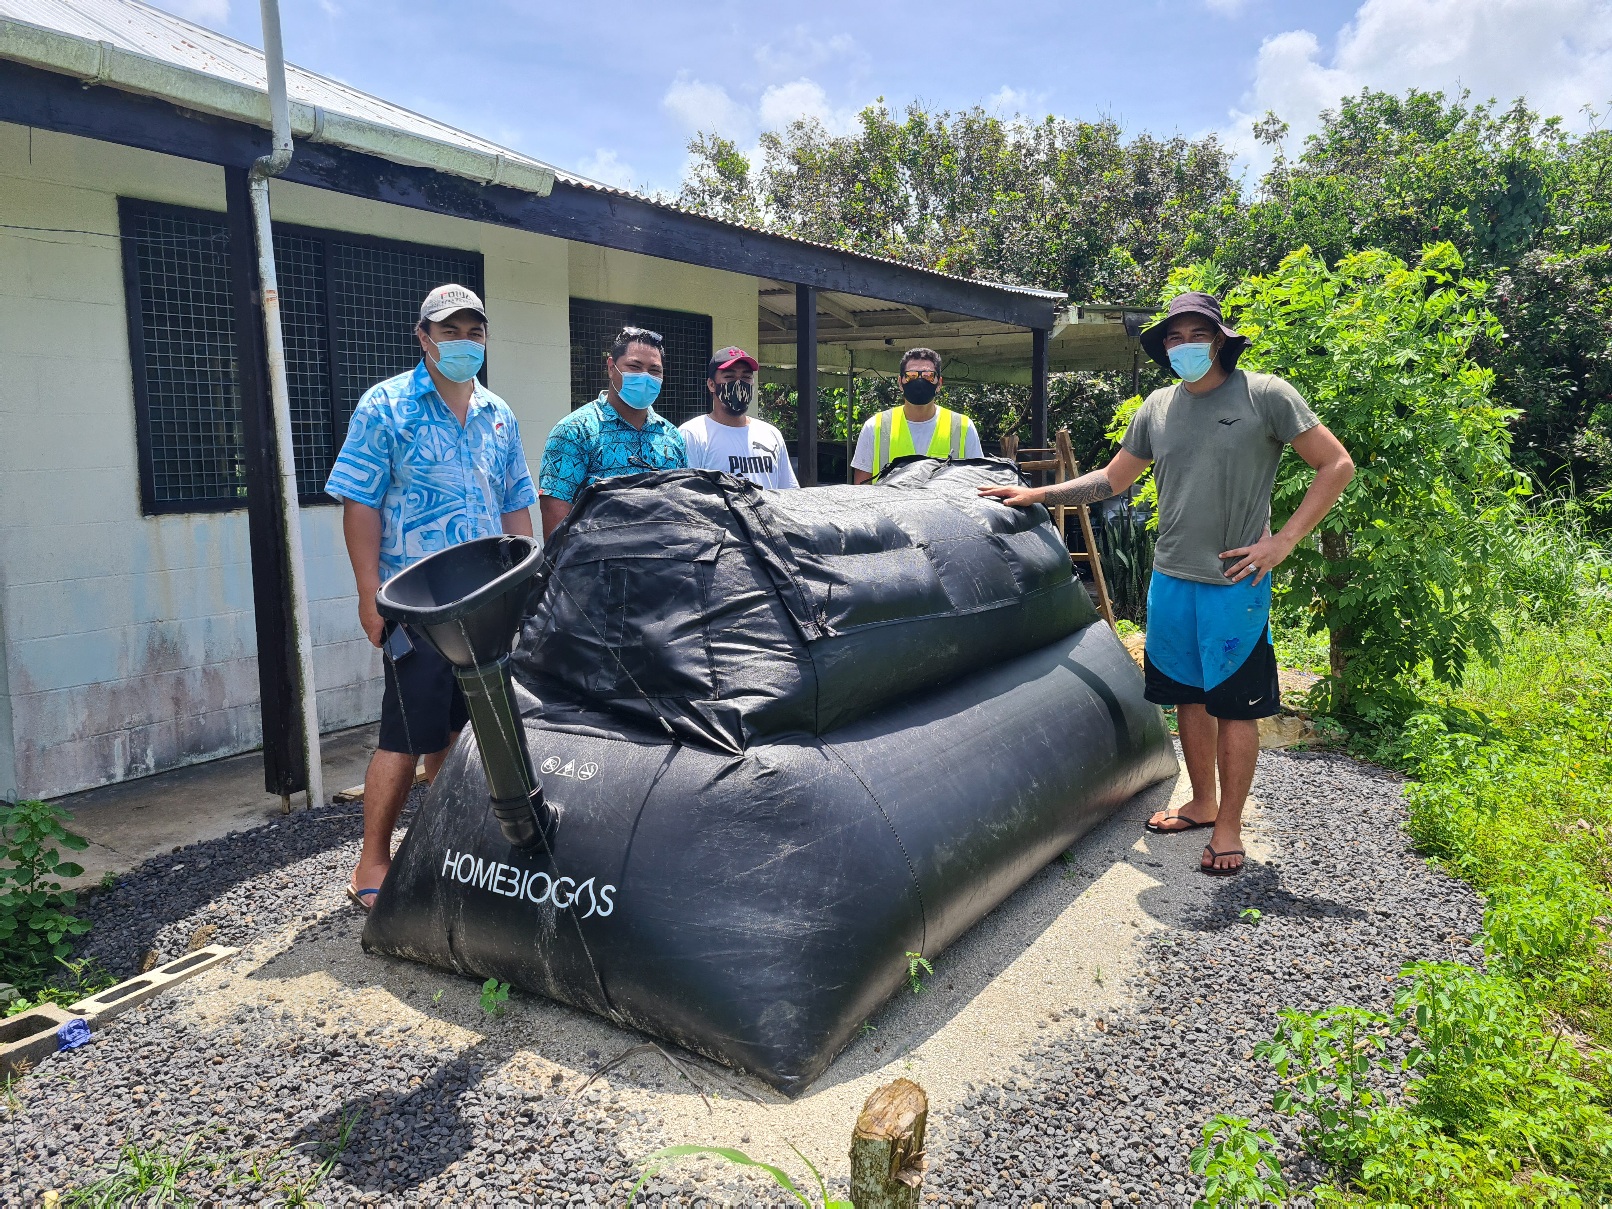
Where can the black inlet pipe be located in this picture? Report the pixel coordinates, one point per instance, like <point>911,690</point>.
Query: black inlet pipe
<point>517,797</point>
<point>467,601</point>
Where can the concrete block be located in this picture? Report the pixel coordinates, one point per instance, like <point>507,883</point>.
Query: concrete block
<point>29,1037</point>
<point>114,1001</point>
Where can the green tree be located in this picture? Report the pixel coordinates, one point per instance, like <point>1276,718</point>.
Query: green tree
<point>1055,203</point>
<point>1405,571</point>
<point>1526,205</point>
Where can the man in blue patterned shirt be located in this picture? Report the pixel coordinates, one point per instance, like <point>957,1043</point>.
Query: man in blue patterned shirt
<point>617,433</point>
<point>432,459</point>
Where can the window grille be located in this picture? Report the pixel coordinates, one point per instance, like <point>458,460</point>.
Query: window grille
<point>348,308</point>
<point>379,288</point>
<point>688,349</point>
<point>185,360</point>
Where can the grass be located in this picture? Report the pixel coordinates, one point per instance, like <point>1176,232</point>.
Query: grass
<point>155,1176</point>
<point>1501,1090</point>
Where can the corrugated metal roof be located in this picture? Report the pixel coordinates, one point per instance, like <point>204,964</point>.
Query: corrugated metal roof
<point>141,29</point>
<point>144,30</point>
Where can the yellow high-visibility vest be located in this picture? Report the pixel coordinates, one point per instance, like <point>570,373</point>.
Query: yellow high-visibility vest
<point>892,436</point>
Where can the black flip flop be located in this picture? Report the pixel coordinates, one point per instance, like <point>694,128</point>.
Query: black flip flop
<point>1193,824</point>
<point>1214,856</point>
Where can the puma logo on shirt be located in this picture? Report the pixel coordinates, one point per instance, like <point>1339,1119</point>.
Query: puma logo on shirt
<point>761,463</point>
<point>754,451</point>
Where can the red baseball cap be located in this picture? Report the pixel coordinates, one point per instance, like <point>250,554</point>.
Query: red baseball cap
<point>724,358</point>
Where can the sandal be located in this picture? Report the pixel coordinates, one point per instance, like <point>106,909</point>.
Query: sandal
<point>1214,856</point>
<point>358,897</point>
<point>1175,816</point>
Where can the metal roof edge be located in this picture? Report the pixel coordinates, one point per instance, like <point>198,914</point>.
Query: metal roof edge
<point>100,62</point>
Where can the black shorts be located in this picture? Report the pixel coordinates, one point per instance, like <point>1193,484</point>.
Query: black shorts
<point>1251,692</point>
<point>423,704</point>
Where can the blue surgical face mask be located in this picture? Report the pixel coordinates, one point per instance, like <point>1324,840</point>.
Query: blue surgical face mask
<point>1192,361</point>
<point>639,390</point>
<point>459,360</point>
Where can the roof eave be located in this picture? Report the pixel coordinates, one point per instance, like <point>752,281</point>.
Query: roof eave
<point>93,62</point>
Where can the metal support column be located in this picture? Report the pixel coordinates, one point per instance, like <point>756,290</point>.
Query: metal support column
<point>851,430</point>
<point>285,767</point>
<point>1038,389</point>
<point>806,382</point>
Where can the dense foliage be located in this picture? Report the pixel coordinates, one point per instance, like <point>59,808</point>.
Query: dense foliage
<point>1406,569</point>
<point>1080,207</point>
<point>37,926</point>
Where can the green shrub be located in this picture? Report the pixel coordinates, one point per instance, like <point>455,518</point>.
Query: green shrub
<point>1497,1109</point>
<point>36,924</point>
<point>1238,1165</point>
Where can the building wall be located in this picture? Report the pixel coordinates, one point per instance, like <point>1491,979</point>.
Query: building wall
<point>607,275</point>
<point>127,642</point>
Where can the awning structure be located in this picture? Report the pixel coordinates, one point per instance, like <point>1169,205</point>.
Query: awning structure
<point>867,336</point>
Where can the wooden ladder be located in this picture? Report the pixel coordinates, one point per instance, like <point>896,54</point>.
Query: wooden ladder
<point>1060,459</point>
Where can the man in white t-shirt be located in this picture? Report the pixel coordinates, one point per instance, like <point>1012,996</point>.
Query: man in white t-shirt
<point>919,425</point>
<point>731,440</point>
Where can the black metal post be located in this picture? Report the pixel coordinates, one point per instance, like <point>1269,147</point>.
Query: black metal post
<point>285,764</point>
<point>1038,388</point>
<point>806,382</point>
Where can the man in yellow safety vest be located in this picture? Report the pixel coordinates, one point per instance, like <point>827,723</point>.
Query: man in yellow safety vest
<point>918,425</point>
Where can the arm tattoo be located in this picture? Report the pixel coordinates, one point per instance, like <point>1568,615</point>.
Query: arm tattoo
<point>1087,489</point>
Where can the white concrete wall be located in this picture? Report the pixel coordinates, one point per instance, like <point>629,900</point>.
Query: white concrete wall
<point>127,642</point>
<point>606,275</point>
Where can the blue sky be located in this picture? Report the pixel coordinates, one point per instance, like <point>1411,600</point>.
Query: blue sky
<point>615,91</point>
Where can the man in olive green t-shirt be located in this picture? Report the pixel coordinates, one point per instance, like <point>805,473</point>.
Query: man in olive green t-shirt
<point>1214,440</point>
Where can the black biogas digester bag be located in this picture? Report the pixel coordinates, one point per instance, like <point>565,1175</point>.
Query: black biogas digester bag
<point>789,737</point>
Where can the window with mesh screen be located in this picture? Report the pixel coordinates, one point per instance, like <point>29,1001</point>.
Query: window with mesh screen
<point>688,348</point>
<point>348,308</point>
<point>185,360</point>
<point>377,289</point>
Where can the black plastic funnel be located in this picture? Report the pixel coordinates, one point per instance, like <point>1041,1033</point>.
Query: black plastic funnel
<point>467,601</point>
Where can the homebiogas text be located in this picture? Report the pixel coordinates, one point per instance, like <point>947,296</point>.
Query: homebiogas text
<point>530,885</point>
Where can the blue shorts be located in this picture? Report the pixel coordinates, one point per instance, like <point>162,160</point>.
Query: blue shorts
<point>1211,645</point>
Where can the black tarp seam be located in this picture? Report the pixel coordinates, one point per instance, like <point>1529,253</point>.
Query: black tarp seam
<point>912,872</point>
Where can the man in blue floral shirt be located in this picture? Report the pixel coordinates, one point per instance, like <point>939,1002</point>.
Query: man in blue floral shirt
<point>617,433</point>
<point>432,458</point>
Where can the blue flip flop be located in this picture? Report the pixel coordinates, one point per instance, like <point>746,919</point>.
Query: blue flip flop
<point>357,896</point>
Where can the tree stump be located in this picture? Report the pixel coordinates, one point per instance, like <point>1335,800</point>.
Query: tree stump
<point>887,1148</point>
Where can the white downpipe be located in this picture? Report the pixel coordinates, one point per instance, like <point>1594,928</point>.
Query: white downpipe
<point>280,395</point>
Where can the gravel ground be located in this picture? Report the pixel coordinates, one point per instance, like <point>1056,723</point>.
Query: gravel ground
<point>267,1061</point>
<point>432,1113</point>
<point>1108,1115</point>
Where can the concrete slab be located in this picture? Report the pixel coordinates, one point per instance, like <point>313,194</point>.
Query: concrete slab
<point>116,1000</point>
<point>30,1036</point>
<point>132,821</point>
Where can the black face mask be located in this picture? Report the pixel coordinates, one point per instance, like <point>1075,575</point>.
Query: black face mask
<point>918,392</point>
<point>736,396</point>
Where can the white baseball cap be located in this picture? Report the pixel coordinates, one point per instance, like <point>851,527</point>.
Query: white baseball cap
<point>446,299</point>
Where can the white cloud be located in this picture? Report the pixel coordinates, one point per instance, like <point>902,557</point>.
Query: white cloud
<point>1226,8</point>
<point>606,166</point>
<point>782,104</point>
<point>701,106</point>
<point>1008,99</point>
<point>1557,53</point>
<point>212,13</point>
<point>798,52</point>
